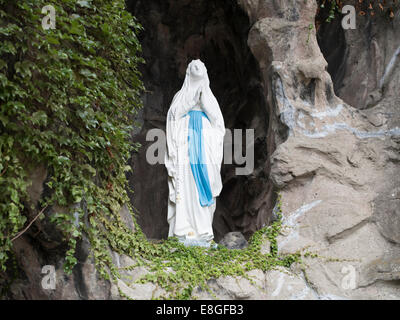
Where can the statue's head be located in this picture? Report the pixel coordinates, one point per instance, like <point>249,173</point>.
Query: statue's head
<point>195,89</point>
<point>196,82</point>
<point>197,69</point>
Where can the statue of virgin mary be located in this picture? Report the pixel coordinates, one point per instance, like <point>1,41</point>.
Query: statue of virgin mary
<point>195,134</point>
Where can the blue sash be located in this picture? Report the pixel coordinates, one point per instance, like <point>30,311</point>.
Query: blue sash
<point>197,157</point>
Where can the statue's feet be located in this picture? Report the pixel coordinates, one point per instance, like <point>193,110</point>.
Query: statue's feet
<point>191,239</point>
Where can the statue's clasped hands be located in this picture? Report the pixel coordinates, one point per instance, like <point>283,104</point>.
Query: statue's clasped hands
<point>200,95</point>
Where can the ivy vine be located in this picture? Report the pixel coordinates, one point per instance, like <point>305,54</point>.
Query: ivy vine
<point>68,96</point>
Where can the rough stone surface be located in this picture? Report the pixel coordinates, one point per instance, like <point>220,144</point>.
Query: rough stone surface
<point>265,247</point>
<point>284,285</point>
<point>127,217</point>
<point>137,291</point>
<point>127,283</point>
<point>228,288</point>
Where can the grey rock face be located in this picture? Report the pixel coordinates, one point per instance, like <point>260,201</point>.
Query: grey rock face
<point>337,166</point>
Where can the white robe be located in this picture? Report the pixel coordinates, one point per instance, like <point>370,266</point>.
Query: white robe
<point>186,217</point>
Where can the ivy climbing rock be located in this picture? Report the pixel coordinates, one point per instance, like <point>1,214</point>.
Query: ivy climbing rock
<point>68,97</point>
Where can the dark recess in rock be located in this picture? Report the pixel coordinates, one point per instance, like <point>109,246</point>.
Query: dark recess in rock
<point>216,32</point>
<point>332,42</point>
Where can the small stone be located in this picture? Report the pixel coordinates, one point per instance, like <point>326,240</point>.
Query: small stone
<point>234,240</point>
